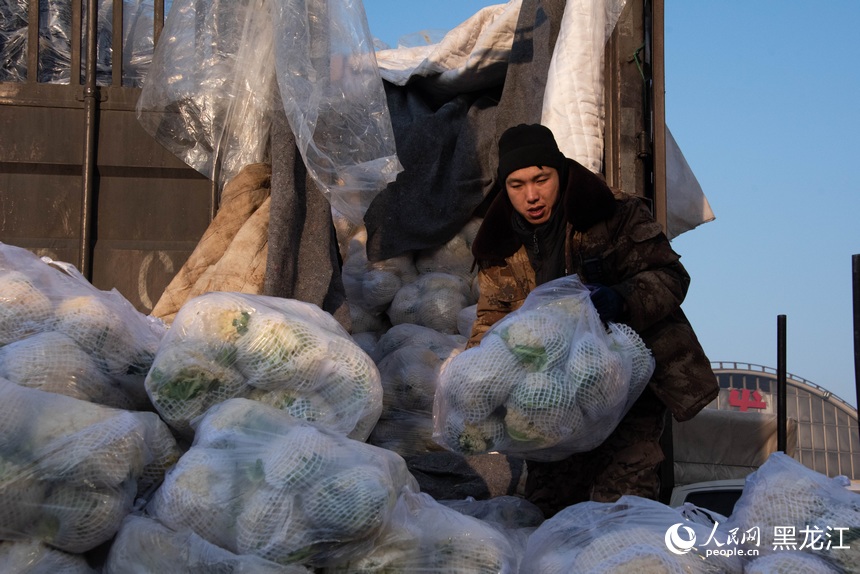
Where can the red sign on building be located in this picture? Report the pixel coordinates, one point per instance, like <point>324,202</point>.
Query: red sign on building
<point>746,399</point>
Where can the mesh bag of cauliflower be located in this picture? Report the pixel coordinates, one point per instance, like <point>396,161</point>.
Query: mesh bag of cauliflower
<point>58,333</point>
<point>285,353</point>
<point>145,545</point>
<point>409,358</point>
<point>70,470</point>
<point>259,481</point>
<point>427,537</point>
<point>547,381</point>
<point>433,300</point>
<point>795,507</point>
<point>372,285</point>
<point>629,535</point>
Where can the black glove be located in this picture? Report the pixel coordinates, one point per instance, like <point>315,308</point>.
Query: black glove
<point>607,301</point>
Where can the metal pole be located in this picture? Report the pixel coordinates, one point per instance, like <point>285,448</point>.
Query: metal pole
<point>89,161</point>
<point>781,418</point>
<point>855,277</point>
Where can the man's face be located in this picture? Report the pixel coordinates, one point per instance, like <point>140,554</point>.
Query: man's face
<point>533,192</point>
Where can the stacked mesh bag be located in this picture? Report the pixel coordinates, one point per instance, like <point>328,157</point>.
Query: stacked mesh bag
<point>444,288</point>
<point>433,300</point>
<point>281,352</point>
<point>429,287</point>
<point>370,286</point>
<point>786,494</point>
<point>145,545</point>
<point>425,536</point>
<point>618,538</point>
<point>257,481</point>
<point>70,470</point>
<point>409,358</point>
<point>548,380</point>
<point>58,333</point>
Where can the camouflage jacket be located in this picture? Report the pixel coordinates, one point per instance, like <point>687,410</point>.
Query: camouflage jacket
<point>611,239</point>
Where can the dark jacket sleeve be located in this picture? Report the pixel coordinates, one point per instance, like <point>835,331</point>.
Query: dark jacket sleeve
<point>653,283</point>
<point>650,276</point>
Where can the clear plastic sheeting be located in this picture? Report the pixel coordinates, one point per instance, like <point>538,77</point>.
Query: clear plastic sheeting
<point>334,100</point>
<point>55,41</point>
<point>210,96</point>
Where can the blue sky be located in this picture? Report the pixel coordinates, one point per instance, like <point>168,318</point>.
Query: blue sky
<point>762,99</point>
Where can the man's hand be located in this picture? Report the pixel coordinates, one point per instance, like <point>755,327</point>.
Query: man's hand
<point>607,301</point>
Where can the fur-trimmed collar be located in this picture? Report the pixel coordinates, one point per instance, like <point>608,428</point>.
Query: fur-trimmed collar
<point>586,200</point>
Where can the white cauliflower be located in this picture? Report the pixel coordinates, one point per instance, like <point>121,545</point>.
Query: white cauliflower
<point>24,308</point>
<point>201,493</point>
<point>282,352</point>
<point>297,460</point>
<point>77,518</point>
<point>619,537</point>
<point>277,351</point>
<point>103,454</point>
<point>433,300</point>
<point>426,536</point>
<point>483,436</point>
<point>51,361</point>
<point>784,492</point>
<point>598,377</point>
<point>22,495</point>
<point>353,503</point>
<point>476,382</point>
<point>538,338</point>
<point>183,383</point>
<point>104,333</point>
<point>541,409</point>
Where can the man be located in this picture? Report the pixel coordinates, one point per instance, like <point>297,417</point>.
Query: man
<point>553,217</point>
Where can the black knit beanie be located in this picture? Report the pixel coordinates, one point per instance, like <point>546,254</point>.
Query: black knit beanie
<point>527,145</point>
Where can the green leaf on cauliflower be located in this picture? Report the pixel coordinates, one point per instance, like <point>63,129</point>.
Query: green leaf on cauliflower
<point>538,338</point>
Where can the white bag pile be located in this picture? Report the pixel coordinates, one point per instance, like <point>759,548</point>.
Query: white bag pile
<point>785,494</point>
<point>258,481</point>
<point>621,537</point>
<point>430,287</point>
<point>70,470</point>
<point>548,380</point>
<point>281,352</point>
<point>58,333</point>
